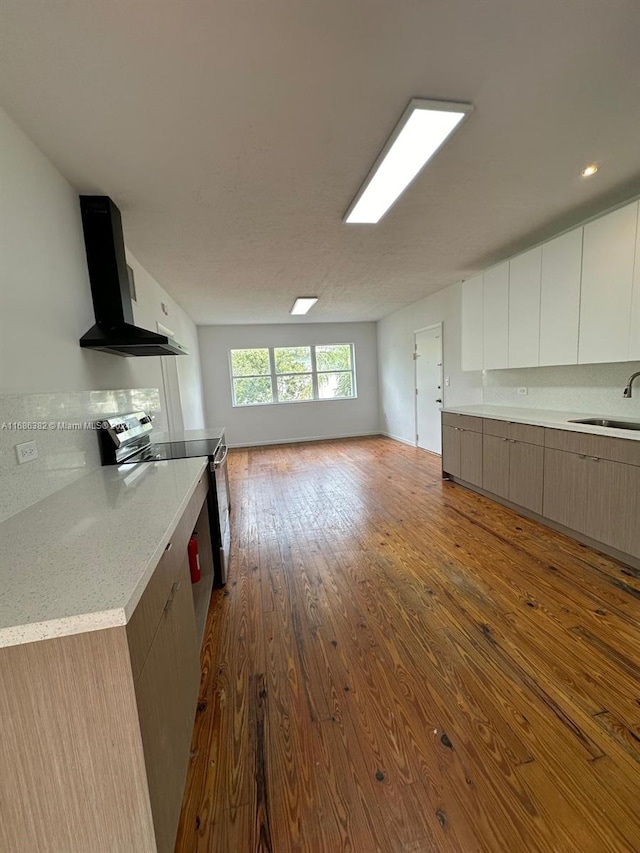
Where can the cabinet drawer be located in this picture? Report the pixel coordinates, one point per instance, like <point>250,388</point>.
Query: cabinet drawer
<point>622,450</point>
<point>515,432</point>
<point>142,626</point>
<point>462,421</point>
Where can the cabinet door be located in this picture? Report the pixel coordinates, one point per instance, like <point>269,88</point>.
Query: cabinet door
<point>566,485</point>
<point>471,457</point>
<point>607,283</point>
<point>495,317</point>
<point>472,358</point>
<point>524,308</point>
<point>166,694</point>
<point>634,328</point>
<point>613,504</point>
<point>495,465</point>
<point>560,299</point>
<point>451,450</point>
<point>526,470</point>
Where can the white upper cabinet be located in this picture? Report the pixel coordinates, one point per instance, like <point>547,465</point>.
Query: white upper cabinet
<point>634,328</point>
<point>560,299</point>
<point>472,323</point>
<point>524,308</point>
<point>607,286</point>
<point>495,317</point>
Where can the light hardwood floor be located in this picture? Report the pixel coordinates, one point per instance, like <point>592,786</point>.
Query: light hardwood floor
<point>398,664</point>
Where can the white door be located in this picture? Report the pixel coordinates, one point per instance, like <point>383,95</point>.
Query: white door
<point>495,317</point>
<point>428,361</point>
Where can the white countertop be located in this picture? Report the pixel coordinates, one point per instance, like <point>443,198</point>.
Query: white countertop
<point>547,418</point>
<point>80,559</point>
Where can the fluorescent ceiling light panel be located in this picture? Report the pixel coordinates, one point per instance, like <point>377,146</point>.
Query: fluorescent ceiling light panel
<point>420,133</point>
<point>303,304</point>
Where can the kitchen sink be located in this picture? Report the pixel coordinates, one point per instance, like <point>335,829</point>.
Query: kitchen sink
<point>606,422</point>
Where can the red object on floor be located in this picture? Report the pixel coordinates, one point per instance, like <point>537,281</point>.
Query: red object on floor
<point>194,559</point>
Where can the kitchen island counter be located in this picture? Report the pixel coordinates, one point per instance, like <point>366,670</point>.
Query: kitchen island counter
<point>80,559</point>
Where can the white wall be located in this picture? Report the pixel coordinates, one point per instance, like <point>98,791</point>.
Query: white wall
<point>589,388</point>
<point>395,356</point>
<point>289,421</point>
<point>45,299</point>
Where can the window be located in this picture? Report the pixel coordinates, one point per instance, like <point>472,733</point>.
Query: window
<point>292,374</point>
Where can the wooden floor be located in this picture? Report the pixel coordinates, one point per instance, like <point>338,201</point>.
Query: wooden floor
<point>398,664</point>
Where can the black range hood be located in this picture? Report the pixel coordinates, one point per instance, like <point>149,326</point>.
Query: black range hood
<point>114,331</point>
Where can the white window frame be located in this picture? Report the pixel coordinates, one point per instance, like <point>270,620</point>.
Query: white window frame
<point>314,373</point>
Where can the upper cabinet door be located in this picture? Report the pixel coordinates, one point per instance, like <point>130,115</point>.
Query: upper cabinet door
<point>607,284</point>
<point>524,308</point>
<point>495,317</point>
<point>634,327</point>
<point>472,323</point>
<point>560,299</point>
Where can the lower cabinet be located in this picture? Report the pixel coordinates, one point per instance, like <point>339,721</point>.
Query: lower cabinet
<point>166,695</point>
<point>588,483</point>
<point>513,462</point>
<point>462,447</point>
<point>113,711</point>
<point>597,497</point>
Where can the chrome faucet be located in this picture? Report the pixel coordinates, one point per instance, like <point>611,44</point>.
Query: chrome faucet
<point>627,388</point>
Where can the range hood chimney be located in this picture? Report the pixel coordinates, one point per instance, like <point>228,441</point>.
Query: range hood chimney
<point>114,331</point>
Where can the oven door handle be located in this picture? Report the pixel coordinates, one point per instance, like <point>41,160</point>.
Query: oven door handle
<point>217,463</point>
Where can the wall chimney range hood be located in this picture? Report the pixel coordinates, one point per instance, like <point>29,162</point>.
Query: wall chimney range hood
<point>114,331</point>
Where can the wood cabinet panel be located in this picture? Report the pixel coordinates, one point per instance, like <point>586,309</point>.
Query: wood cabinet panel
<point>560,299</point>
<point>566,481</point>
<point>451,450</point>
<point>497,428</point>
<point>472,335</point>
<point>607,285</point>
<point>471,457</point>
<point>462,421</point>
<point>495,317</point>
<point>73,773</point>
<point>526,470</point>
<point>612,504</point>
<point>526,432</point>
<point>614,449</point>
<point>524,308</point>
<point>146,617</point>
<point>495,465</point>
<point>166,694</point>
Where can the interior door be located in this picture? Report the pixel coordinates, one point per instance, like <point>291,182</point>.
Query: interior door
<point>428,361</point>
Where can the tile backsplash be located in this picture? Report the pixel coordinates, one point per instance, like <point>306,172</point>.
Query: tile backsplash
<point>67,446</point>
<point>590,388</point>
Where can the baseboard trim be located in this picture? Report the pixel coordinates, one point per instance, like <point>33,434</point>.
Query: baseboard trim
<point>304,439</point>
<point>398,438</point>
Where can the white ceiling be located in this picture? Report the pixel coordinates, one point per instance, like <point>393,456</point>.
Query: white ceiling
<point>234,134</point>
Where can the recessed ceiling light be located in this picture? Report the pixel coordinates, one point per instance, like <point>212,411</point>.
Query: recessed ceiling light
<point>303,304</point>
<point>590,170</point>
<point>422,130</point>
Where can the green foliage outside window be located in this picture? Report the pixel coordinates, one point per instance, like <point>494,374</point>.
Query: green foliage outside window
<point>265,375</point>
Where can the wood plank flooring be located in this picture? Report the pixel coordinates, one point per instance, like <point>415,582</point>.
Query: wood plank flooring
<point>398,664</point>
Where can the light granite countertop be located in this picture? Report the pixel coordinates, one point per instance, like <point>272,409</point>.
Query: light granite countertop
<point>547,418</point>
<point>80,559</point>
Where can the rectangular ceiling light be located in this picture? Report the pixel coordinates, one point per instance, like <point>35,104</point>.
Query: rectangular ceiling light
<point>303,304</point>
<point>420,133</point>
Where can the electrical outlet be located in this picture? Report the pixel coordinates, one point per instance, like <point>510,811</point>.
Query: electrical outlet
<point>26,452</point>
<point>522,392</point>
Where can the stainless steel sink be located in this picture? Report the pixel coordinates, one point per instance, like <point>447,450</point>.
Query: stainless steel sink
<point>605,422</point>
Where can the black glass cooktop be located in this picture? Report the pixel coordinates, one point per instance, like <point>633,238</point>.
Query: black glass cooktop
<point>182,449</point>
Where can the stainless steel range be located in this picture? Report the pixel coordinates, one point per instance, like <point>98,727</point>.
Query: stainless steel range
<point>128,440</point>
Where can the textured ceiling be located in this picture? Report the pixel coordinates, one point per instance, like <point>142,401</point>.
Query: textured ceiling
<point>233,135</point>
